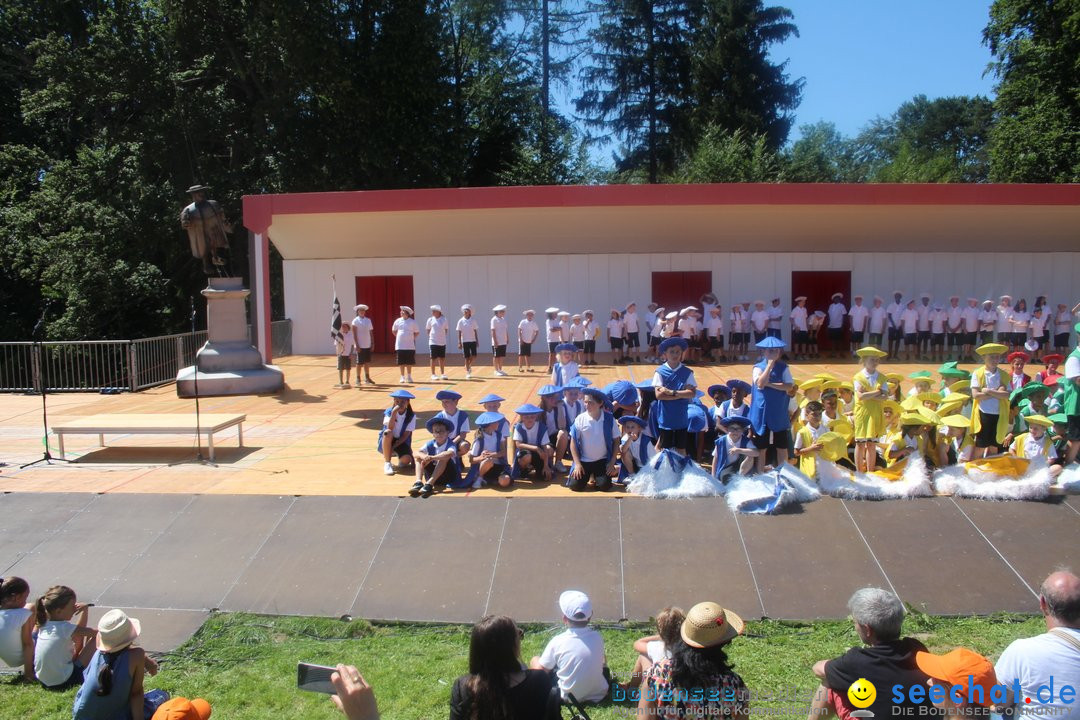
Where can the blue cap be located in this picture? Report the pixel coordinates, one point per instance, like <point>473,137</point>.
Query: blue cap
<point>698,394</point>
<point>674,342</point>
<point>771,343</point>
<point>447,395</point>
<point>528,409</point>
<point>439,421</point>
<point>402,394</point>
<point>549,390</point>
<point>719,388</point>
<point>565,347</point>
<point>595,394</point>
<point>490,397</point>
<point>738,385</point>
<point>736,420</point>
<point>487,418</point>
<point>631,420</point>
<point>622,392</point>
<point>578,381</point>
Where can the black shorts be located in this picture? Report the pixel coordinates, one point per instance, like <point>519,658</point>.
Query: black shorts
<point>449,474</point>
<point>590,346</point>
<point>633,340</point>
<point>716,342</point>
<point>937,340</point>
<point>759,336</point>
<point>406,357</point>
<point>402,449</point>
<point>773,332</point>
<point>437,351</point>
<point>655,340</point>
<point>344,362</point>
<point>616,343</point>
<point>468,349</point>
<point>1072,429</point>
<point>857,336</point>
<point>911,338</point>
<point>673,438</point>
<point>552,344</point>
<point>836,334</point>
<point>773,439</point>
<point>491,477</point>
<point>895,334</point>
<point>1005,338</point>
<point>499,351</point>
<point>1061,340</point>
<point>955,339</point>
<point>363,356</point>
<point>970,338</point>
<point>525,349</point>
<point>595,470</point>
<point>537,460</point>
<point>801,337</point>
<point>876,338</point>
<point>987,435</point>
<point>580,345</point>
<point>924,335</point>
<point>985,336</point>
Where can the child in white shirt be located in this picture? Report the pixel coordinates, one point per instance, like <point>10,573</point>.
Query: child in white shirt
<point>553,333</point>
<point>632,334</point>
<point>592,331</point>
<point>405,330</point>
<point>500,338</point>
<point>344,344</point>
<point>909,327</point>
<point>468,334</point>
<point>577,337</point>
<point>16,626</point>
<point>362,334</point>
<point>63,649</point>
<point>615,331</point>
<point>528,331</point>
<point>438,329</point>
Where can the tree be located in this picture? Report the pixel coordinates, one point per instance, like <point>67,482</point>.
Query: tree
<point>821,154</point>
<point>726,157</point>
<point>736,86</point>
<point>1036,49</point>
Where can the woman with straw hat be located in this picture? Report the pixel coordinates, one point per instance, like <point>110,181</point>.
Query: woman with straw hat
<point>697,680</point>
<point>114,677</point>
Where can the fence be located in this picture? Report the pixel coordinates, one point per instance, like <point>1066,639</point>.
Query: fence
<point>109,365</point>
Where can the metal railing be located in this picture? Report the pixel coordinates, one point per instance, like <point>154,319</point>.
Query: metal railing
<point>109,365</point>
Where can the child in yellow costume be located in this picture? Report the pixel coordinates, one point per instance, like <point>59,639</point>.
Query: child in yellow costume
<point>871,389</point>
<point>990,396</point>
<point>1036,445</point>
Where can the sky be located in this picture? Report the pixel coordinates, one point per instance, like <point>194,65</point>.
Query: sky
<point>863,58</point>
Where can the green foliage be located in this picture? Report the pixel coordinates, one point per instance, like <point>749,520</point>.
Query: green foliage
<point>821,154</point>
<point>1036,49</point>
<point>723,156</point>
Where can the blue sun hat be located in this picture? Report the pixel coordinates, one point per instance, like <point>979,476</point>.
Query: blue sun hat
<point>578,381</point>
<point>743,422</point>
<point>447,395</point>
<point>719,388</point>
<point>549,390</point>
<point>595,394</point>
<point>631,420</point>
<point>771,343</point>
<point>566,347</point>
<point>403,394</point>
<point>528,409</point>
<point>736,384</point>
<point>622,392</point>
<point>430,424</point>
<point>674,342</point>
<point>489,418</point>
<point>490,397</point>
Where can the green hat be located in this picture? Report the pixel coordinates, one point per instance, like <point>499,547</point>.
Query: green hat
<point>920,375</point>
<point>1061,418</point>
<point>953,373</point>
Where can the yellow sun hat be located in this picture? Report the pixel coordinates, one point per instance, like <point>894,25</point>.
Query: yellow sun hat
<point>960,387</point>
<point>912,418</point>
<point>893,406</point>
<point>929,397</point>
<point>834,446</point>
<point>949,408</point>
<point>956,397</point>
<point>871,351</point>
<point>930,415</point>
<point>811,384</point>
<point>958,421</point>
<point>1040,420</point>
<point>991,349</point>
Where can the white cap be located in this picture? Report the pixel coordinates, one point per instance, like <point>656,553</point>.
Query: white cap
<point>759,302</point>
<point>575,315</point>
<point>801,297</point>
<point>671,315</point>
<point>465,307</point>
<point>407,309</point>
<point>498,308</point>
<point>587,312</point>
<point>924,296</point>
<point>879,298</point>
<point>437,307</point>
<point>575,605</point>
<point>973,299</point>
<point>837,295</point>
<point>563,312</point>
<point>857,297</point>
<point>552,310</point>
<point>361,307</point>
<point>526,312</point>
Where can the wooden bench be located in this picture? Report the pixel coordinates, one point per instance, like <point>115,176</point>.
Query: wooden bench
<point>149,424</point>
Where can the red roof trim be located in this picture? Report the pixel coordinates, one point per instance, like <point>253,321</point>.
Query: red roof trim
<point>258,209</point>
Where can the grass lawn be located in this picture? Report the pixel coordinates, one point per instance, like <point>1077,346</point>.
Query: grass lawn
<point>245,665</point>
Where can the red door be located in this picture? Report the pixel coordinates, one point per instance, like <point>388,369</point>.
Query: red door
<point>676,290</point>
<point>384,295</point>
<point>818,287</point>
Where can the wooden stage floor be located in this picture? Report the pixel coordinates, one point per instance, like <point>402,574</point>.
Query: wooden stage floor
<point>302,521</point>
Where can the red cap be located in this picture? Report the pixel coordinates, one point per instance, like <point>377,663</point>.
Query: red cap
<point>1018,354</point>
<point>1053,357</point>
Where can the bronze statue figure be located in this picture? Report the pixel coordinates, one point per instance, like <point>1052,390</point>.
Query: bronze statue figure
<point>206,227</point>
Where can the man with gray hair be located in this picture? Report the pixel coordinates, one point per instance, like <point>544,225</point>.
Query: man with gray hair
<point>859,683</point>
<point>1047,664</point>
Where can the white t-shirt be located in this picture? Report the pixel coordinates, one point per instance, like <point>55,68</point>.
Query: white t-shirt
<point>1004,319</point>
<point>591,432</point>
<point>687,326</point>
<point>401,427</point>
<point>989,405</point>
<point>528,331</point>
<point>11,625</point>
<point>788,379</point>
<point>615,327</point>
<point>1072,367</point>
<point>970,318</point>
<point>909,321</point>
<point>738,318</point>
<point>577,332</point>
<point>437,330</point>
<point>564,331</point>
<point>1019,320</point>
<point>1035,449</point>
<point>776,316</point>
<point>924,316</point>
<point>954,317</point>
<point>405,332</point>
<point>715,326</point>
<point>815,433</point>
<point>938,318</point>
<point>345,349</point>
<point>631,322</point>
<point>468,327</point>
<point>878,315</point>
<point>760,320</point>
<point>987,319</point>
<point>577,657</point>
<point>1038,326</point>
<point>499,331</point>
<point>554,330</point>
<point>486,442</point>
<point>1062,321</point>
<point>363,328</point>
<point>894,310</point>
<point>798,318</point>
<point>656,651</point>
<point>1034,661</point>
<point>836,314</point>
<point>859,314</point>
<point>52,652</point>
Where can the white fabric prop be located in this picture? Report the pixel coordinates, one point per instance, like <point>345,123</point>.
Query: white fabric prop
<point>1069,479</point>
<point>770,493</point>
<point>843,483</point>
<point>958,480</point>
<point>671,475</point>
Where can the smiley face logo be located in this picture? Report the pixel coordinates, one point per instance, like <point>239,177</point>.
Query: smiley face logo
<point>862,693</point>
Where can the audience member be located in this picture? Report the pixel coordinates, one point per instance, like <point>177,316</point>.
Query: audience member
<point>651,649</point>
<point>63,648</point>
<point>198,709</point>
<point>967,678</point>
<point>576,656</point>
<point>16,625</point>
<point>113,687</point>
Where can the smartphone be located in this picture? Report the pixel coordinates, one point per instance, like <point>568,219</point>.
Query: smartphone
<point>315,678</point>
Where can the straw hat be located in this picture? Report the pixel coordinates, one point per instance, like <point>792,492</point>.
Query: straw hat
<point>116,631</point>
<point>708,625</point>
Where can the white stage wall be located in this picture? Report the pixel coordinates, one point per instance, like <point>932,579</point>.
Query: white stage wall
<point>600,282</point>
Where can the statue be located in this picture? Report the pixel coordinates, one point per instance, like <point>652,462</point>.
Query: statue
<point>206,228</point>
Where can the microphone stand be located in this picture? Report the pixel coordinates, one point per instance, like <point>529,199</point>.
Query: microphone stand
<point>37,333</point>
<point>199,459</point>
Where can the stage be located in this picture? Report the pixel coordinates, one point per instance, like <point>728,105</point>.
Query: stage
<point>301,520</point>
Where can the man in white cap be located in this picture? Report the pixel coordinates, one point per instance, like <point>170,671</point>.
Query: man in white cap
<point>438,328</point>
<point>500,337</point>
<point>362,334</point>
<point>468,331</point>
<point>405,330</point>
<point>576,656</point>
<point>528,331</point>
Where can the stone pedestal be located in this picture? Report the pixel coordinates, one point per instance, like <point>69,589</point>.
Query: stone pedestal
<point>228,364</point>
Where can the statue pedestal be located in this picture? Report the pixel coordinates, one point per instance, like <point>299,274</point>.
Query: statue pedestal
<point>228,364</point>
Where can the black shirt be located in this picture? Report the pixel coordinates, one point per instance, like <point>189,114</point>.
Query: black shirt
<point>885,665</point>
<point>528,700</point>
